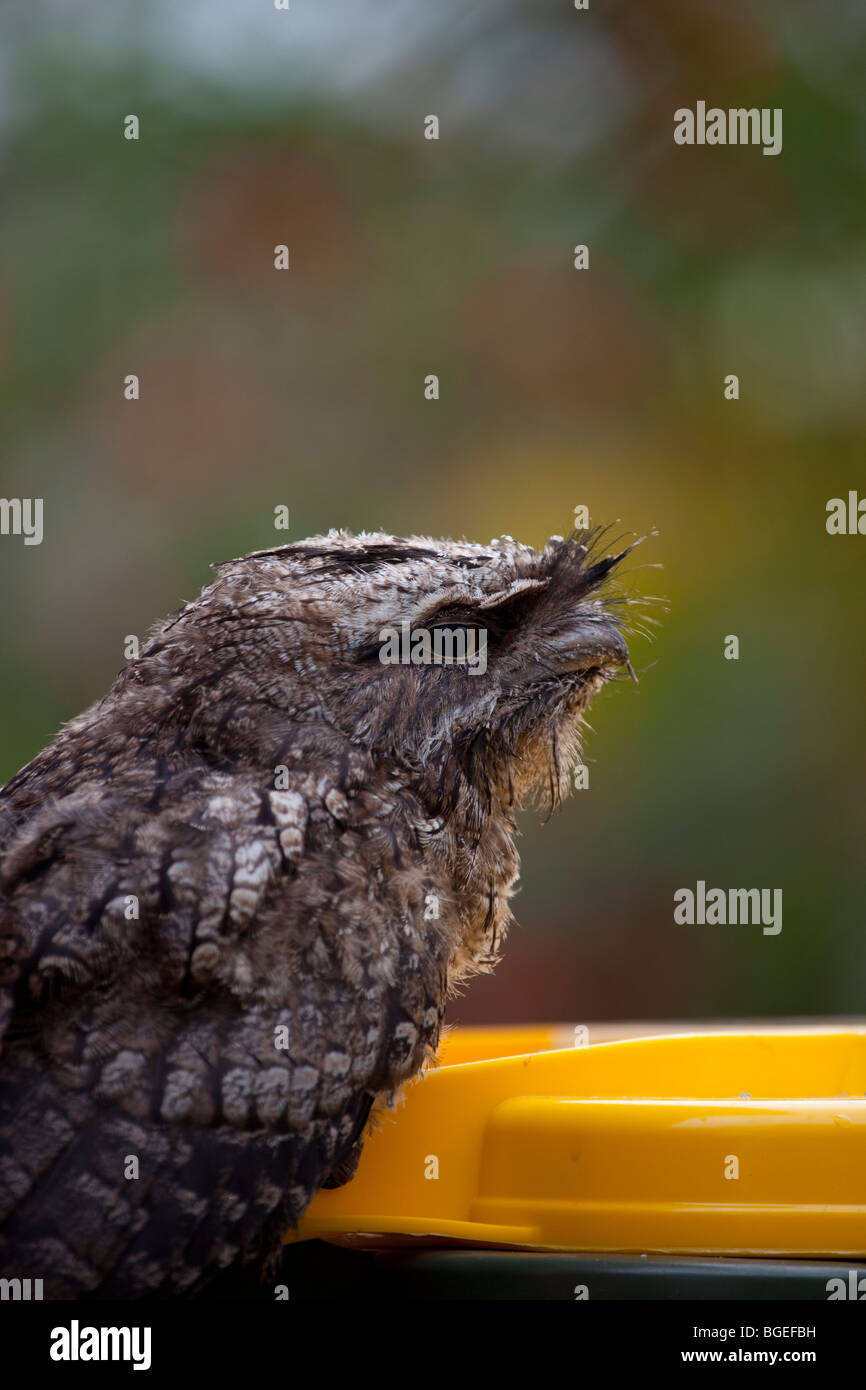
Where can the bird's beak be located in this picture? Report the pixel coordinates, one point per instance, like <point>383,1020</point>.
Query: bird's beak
<point>589,643</point>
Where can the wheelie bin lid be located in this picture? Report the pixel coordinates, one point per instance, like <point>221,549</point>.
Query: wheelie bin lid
<point>745,1139</point>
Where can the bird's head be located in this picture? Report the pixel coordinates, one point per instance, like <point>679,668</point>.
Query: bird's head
<point>465,664</point>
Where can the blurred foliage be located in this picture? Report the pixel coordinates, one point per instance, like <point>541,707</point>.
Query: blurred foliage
<point>559,387</point>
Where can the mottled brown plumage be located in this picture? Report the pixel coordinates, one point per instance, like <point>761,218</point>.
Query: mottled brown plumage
<point>310,839</point>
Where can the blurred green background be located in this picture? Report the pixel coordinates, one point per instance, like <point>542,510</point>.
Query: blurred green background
<point>558,387</point>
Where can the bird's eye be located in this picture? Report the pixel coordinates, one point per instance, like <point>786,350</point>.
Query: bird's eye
<point>458,644</point>
<point>437,644</point>
<point>456,634</point>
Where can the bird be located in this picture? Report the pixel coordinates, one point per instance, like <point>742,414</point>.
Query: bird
<point>238,891</point>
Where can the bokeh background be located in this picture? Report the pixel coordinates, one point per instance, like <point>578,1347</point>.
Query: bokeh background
<point>601,387</point>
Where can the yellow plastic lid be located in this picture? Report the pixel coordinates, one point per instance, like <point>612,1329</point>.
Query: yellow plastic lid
<point>734,1142</point>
